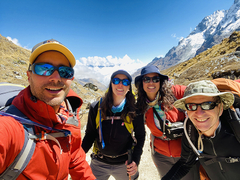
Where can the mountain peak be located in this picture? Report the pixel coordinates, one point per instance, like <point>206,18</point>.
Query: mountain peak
<point>236,1</point>
<point>209,32</point>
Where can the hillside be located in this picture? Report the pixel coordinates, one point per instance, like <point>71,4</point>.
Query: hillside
<point>222,60</point>
<point>14,64</point>
<point>209,32</point>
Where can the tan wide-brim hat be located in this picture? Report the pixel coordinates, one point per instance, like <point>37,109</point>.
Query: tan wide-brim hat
<point>51,45</point>
<point>205,88</point>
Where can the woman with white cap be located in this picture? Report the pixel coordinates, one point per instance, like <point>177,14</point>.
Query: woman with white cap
<point>112,121</point>
<point>155,98</point>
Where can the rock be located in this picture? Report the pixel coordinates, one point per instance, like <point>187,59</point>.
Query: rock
<point>91,86</point>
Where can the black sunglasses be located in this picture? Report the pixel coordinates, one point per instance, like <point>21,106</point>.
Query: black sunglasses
<point>125,82</point>
<point>204,106</point>
<point>155,79</point>
<point>44,69</point>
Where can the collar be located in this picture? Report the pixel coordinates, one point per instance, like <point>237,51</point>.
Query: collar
<point>154,102</point>
<point>120,107</point>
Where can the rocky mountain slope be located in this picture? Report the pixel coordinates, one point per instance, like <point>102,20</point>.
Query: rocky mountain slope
<point>209,32</point>
<point>222,60</point>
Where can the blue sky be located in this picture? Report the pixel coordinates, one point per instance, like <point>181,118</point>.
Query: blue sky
<point>106,31</point>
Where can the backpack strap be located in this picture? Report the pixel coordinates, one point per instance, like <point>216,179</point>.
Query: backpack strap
<point>190,128</point>
<point>234,122</point>
<point>72,119</point>
<point>99,119</point>
<point>23,158</point>
<point>21,161</point>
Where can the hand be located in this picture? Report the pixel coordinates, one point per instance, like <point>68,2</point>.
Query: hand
<point>131,168</point>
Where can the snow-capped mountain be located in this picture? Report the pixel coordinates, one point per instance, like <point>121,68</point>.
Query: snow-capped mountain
<point>209,32</point>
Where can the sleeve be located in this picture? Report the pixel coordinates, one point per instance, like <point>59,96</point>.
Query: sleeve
<point>79,168</point>
<point>11,141</point>
<point>139,130</point>
<point>82,171</point>
<point>91,133</point>
<point>184,164</point>
<point>178,91</point>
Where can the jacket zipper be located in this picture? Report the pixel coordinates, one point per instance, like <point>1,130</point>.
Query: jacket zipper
<point>112,121</point>
<point>170,152</point>
<point>220,165</point>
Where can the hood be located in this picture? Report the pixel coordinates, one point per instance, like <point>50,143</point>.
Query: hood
<point>40,112</point>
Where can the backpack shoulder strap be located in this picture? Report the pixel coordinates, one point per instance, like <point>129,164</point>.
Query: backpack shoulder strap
<point>190,133</point>
<point>129,126</point>
<point>99,119</point>
<point>23,158</point>
<point>234,121</point>
<point>72,119</point>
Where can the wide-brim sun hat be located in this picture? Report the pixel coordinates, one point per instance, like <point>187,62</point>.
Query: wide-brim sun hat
<point>205,88</point>
<point>148,70</point>
<point>122,72</point>
<point>51,45</point>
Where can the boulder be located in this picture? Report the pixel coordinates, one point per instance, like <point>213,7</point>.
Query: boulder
<point>91,86</point>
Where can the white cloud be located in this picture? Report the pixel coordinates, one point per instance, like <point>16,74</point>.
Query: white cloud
<point>14,40</point>
<point>101,68</point>
<point>160,56</point>
<point>190,29</point>
<point>175,36</point>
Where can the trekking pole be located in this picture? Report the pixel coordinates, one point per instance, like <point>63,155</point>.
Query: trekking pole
<point>129,159</point>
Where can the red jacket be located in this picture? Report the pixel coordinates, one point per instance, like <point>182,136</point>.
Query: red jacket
<point>46,162</point>
<point>170,148</point>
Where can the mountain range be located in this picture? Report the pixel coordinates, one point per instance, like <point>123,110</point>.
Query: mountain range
<point>209,32</point>
<point>198,44</point>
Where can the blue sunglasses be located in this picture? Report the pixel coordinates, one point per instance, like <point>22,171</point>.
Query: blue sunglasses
<point>44,69</point>
<point>125,82</point>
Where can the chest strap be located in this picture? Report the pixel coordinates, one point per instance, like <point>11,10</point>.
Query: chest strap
<point>223,159</point>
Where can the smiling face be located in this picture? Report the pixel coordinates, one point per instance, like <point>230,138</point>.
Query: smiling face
<point>151,88</point>
<point>50,89</point>
<point>205,120</point>
<point>119,90</point>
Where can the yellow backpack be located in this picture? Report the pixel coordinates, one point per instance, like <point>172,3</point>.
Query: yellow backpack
<point>128,125</point>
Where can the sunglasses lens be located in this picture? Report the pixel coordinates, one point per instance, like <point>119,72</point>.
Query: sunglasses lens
<point>125,82</point>
<point>44,69</point>
<point>191,107</point>
<point>156,79</point>
<point>204,106</point>
<point>66,72</point>
<point>208,105</point>
<point>116,81</point>
<point>146,79</point>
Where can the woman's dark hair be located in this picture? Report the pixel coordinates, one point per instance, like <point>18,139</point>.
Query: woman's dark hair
<point>166,96</point>
<point>129,108</point>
